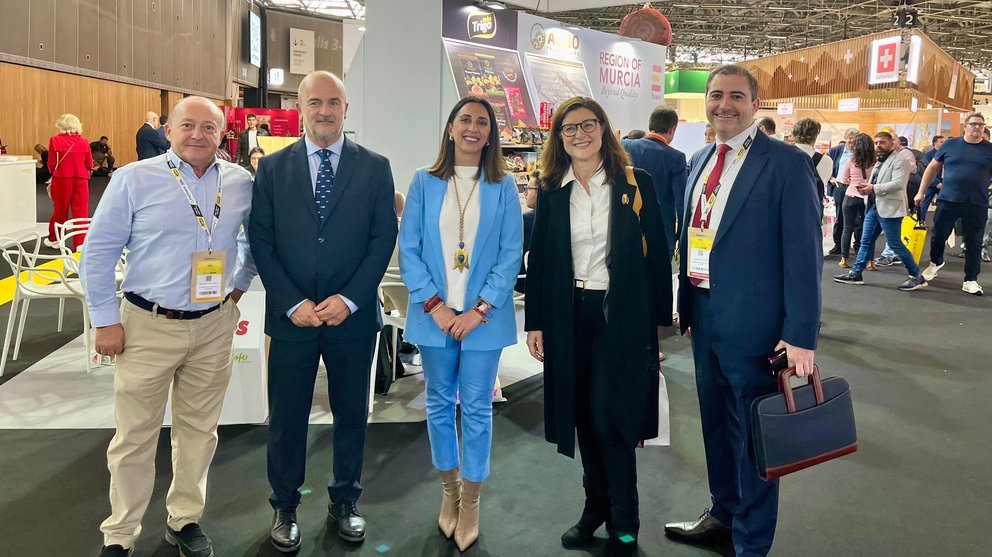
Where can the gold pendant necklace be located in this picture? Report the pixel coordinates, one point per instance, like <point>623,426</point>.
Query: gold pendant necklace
<point>461,254</point>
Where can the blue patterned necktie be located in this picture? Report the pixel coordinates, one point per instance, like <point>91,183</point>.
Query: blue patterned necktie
<point>325,181</point>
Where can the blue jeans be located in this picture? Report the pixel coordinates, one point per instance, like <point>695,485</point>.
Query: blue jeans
<point>466,376</point>
<point>892,227</point>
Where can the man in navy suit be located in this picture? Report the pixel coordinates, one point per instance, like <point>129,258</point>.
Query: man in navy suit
<point>149,142</point>
<point>665,164</point>
<point>322,231</point>
<point>749,285</point>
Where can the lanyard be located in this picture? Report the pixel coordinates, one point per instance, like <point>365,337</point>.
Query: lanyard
<point>657,137</point>
<point>707,204</point>
<point>209,230</point>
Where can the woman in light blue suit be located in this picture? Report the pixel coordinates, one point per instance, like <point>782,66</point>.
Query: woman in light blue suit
<point>460,246</point>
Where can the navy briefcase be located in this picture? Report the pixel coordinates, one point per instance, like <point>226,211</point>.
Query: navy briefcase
<point>798,428</point>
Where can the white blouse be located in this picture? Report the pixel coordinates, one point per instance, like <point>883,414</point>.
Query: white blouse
<point>590,223</point>
<point>465,181</point>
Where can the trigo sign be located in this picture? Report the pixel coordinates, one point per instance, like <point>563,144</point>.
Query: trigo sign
<point>481,25</point>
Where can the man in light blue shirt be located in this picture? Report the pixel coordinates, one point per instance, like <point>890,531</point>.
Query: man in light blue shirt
<point>175,327</point>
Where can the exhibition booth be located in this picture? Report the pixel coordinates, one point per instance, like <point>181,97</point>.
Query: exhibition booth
<point>896,80</point>
<point>525,65</point>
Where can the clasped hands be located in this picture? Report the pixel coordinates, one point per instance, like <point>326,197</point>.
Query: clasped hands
<point>331,312</point>
<point>456,326</point>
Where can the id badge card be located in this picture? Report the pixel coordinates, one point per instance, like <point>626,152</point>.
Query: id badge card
<point>700,248</point>
<point>207,284</point>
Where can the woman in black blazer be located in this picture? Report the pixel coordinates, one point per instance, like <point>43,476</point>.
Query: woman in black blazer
<point>599,284</point>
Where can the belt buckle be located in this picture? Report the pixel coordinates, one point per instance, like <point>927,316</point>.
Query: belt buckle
<point>174,314</point>
<point>583,281</point>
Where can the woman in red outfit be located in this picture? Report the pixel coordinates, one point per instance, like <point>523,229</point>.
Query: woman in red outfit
<point>71,164</point>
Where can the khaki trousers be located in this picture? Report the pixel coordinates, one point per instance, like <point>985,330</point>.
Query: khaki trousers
<point>194,358</point>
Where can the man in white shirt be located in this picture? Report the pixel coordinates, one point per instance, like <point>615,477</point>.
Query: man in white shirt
<point>248,139</point>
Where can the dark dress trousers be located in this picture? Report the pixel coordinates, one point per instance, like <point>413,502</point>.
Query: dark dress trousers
<point>601,370</point>
<point>765,286</point>
<point>300,256</point>
<point>668,171</point>
<point>149,142</point>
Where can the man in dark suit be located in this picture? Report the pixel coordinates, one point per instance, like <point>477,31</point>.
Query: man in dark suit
<point>665,164</point>
<point>248,139</point>
<point>741,299</point>
<point>322,231</point>
<point>148,141</point>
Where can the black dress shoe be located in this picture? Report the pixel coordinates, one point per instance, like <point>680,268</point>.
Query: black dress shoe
<point>285,534</point>
<point>706,529</point>
<point>351,525</point>
<point>115,550</point>
<point>594,514</point>
<point>622,546</point>
<point>578,536</point>
<point>191,540</point>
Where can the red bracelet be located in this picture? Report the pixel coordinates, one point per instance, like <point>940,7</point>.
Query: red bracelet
<point>432,303</point>
<point>481,314</point>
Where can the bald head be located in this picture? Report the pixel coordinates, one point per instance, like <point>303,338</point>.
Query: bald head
<point>195,127</point>
<point>184,105</point>
<point>151,118</point>
<point>323,103</point>
<point>319,77</point>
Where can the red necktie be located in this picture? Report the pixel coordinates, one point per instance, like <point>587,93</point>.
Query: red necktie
<point>711,182</point>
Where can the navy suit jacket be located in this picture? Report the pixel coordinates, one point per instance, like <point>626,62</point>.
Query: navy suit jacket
<point>834,153</point>
<point>667,168</point>
<point>300,257</point>
<point>149,142</point>
<point>767,255</point>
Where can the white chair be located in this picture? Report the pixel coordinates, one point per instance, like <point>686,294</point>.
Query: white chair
<point>35,281</point>
<point>392,294</point>
<point>518,297</point>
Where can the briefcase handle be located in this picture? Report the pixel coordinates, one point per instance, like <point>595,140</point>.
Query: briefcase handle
<point>786,388</point>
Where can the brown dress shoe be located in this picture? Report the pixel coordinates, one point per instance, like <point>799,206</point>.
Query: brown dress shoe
<point>871,266</point>
<point>845,263</point>
<point>705,529</point>
<point>451,484</point>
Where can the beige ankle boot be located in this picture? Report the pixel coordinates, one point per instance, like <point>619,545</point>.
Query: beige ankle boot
<point>467,531</point>
<point>452,485</point>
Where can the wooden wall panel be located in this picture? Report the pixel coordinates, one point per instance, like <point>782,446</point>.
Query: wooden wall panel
<point>936,77</point>
<point>108,108</point>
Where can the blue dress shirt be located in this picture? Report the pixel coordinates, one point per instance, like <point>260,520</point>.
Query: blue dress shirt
<point>314,159</point>
<point>144,210</point>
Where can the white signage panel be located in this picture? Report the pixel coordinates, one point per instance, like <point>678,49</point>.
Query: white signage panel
<point>626,77</point>
<point>301,47</point>
<point>883,64</point>
<point>849,105</point>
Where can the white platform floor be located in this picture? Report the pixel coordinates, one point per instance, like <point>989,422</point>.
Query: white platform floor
<point>57,393</point>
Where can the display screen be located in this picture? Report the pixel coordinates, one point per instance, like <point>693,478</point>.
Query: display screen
<point>254,40</point>
<point>495,75</point>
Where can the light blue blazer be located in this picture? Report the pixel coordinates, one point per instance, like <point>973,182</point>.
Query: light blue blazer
<point>493,266</point>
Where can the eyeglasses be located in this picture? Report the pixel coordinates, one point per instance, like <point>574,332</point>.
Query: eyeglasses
<point>973,124</point>
<point>588,126</point>
<point>535,188</point>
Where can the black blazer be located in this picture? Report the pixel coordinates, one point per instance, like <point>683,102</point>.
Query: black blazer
<point>149,142</point>
<point>299,257</point>
<point>638,301</point>
<point>243,146</point>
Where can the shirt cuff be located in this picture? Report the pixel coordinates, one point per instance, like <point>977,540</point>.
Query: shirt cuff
<point>292,309</point>
<point>243,278</point>
<point>105,317</point>
<point>351,305</point>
